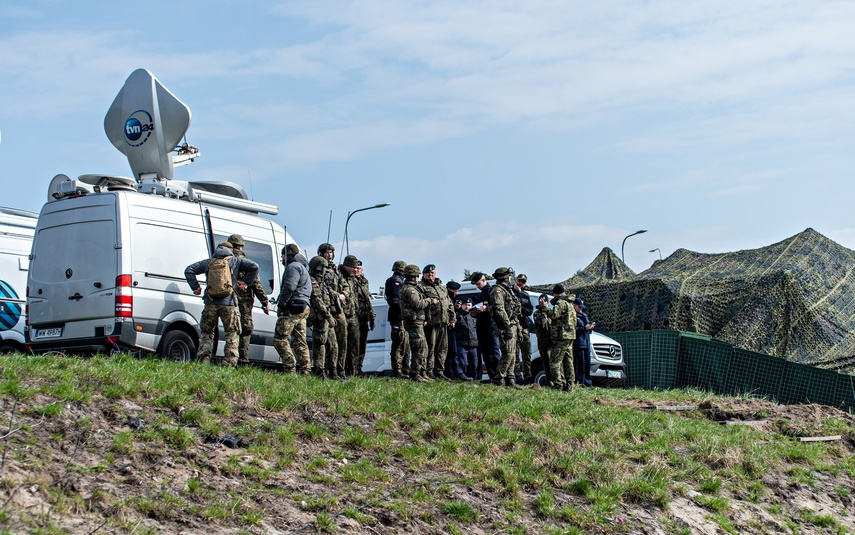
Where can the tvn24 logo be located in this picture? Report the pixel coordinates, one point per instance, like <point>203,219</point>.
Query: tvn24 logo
<point>138,128</point>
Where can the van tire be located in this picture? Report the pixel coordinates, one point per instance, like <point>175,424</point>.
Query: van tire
<point>539,376</point>
<point>177,345</point>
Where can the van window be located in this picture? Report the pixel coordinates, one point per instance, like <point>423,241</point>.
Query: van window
<point>86,248</point>
<point>161,253</point>
<point>261,254</point>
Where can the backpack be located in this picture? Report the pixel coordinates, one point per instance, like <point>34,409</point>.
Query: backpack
<point>219,278</point>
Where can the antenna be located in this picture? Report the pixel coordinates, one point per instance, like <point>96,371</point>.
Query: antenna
<point>329,226</point>
<point>251,194</point>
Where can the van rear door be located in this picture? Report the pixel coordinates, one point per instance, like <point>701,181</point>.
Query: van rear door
<point>74,269</point>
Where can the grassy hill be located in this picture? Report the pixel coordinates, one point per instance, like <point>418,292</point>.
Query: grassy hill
<point>122,445</point>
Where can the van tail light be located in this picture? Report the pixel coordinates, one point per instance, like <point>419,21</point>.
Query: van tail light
<point>124,297</point>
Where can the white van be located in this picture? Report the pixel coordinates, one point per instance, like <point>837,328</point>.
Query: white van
<point>16,239</point>
<point>608,366</point>
<point>109,253</point>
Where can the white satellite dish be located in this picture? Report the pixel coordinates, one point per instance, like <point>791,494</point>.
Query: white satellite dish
<point>109,182</point>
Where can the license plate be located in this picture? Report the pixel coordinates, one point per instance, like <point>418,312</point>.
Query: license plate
<point>53,332</point>
<point>613,374</point>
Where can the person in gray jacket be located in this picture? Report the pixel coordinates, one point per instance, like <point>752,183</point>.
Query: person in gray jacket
<point>295,294</point>
<point>221,308</point>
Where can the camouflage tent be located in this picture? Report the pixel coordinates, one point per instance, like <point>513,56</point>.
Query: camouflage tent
<point>793,299</point>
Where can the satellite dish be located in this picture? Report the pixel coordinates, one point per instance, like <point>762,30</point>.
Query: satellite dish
<point>223,187</point>
<point>53,188</point>
<point>111,183</point>
<point>146,122</point>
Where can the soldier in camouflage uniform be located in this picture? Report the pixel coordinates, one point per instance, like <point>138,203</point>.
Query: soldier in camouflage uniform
<point>400,352</point>
<point>224,308</point>
<point>526,326</point>
<point>246,298</point>
<point>413,305</point>
<point>365,315</point>
<point>504,310</point>
<point>347,273</point>
<point>439,317</point>
<point>563,332</point>
<point>333,283</point>
<point>321,319</point>
<point>292,309</point>
<point>542,325</point>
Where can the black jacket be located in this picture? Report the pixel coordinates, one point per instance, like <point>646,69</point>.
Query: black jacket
<point>464,331</point>
<point>583,335</point>
<point>392,291</point>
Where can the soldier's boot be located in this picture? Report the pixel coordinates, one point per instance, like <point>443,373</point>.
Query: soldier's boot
<point>288,370</point>
<point>401,375</point>
<point>510,382</point>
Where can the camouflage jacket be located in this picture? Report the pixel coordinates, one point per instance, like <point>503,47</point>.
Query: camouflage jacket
<point>321,304</point>
<point>246,297</point>
<point>504,307</point>
<point>332,284</point>
<point>542,322</point>
<point>364,310</point>
<point>413,302</point>
<point>563,318</point>
<point>442,312</point>
<point>348,288</point>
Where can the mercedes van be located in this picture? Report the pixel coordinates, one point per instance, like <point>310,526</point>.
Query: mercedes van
<point>16,239</point>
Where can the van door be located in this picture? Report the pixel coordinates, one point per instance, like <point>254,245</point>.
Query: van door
<point>73,273</point>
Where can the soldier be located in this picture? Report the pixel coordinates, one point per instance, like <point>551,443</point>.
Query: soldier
<point>333,282</point>
<point>221,302</point>
<point>504,309</point>
<point>563,333</point>
<point>246,298</point>
<point>321,319</point>
<point>347,274</point>
<point>413,305</point>
<point>292,309</point>
<point>542,324</point>
<point>364,314</point>
<point>439,317</point>
<point>400,354</point>
<point>526,325</point>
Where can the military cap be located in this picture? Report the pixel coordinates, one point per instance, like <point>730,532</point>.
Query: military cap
<point>429,267</point>
<point>412,270</point>
<point>557,289</point>
<point>476,277</point>
<point>522,277</point>
<point>578,301</point>
<point>236,239</point>
<point>317,262</point>
<point>351,261</point>
<point>324,247</point>
<point>501,273</point>
<point>543,296</point>
<point>291,250</point>
<point>467,300</point>
<point>399,265</point>
<point>225,244</point>
<point>452,285</point>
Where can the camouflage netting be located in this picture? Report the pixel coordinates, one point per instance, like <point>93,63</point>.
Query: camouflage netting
<point>793,299</point>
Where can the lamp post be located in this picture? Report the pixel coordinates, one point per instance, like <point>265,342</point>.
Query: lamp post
<point>350,214</point>
<point>660,252</point>
<point>624,242</point>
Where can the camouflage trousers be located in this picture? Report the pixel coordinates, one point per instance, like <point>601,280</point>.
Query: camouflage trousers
<point>418,347</point>
<point>437,348</point>
<point>524,350</point>
<point>508,343</point>
<point>246,327</point>
<point>211,315</point>
<point>400,353</point>
<point>561,364</point>
<point>544,344</point>
<point>320,337</point>
<point>352,346</point>
<point>292,326</point>
<point>337,359</point>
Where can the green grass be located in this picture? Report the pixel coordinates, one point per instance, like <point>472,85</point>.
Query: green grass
<point>568,463</point>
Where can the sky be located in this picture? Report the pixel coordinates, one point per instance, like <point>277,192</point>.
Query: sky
<point>524,134</point>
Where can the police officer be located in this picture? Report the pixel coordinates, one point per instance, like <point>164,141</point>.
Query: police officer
<point>526,325</point>
<point>246,298</point>
<point>333,282</point>
<point>563,333</point>
<point>222,308</point>
<point>321,319</point>
<point>414,301</point>
<point>504,310</point>
<point>292,308</point>
<point>400,353</point>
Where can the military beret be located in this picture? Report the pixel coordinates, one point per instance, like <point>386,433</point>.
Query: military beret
<point>429,267</point>
<point>476,277</point>
<point>452,285</point>
<point>522,277</point>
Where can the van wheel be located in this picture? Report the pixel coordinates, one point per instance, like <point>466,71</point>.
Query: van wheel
<point>177,345</point>
<point>7,349</point>
<point>539,374</point>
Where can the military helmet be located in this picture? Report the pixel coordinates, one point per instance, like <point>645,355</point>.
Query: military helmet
<point>399,265</point>
<point>236,239</point>
<point>317,263</point>
<point>412,270</point>
<point>502,273</point>
<point>351,261</point>
<point>324,247</point>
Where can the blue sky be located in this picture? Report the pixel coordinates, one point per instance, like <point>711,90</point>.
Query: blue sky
<point>529,134</point>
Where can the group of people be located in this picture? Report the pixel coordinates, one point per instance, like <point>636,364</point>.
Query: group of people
<point>435,334</point>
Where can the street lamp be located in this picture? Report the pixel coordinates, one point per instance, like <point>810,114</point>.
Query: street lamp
<point>660,252</point>
<point>624,242</point>
<point>350,214</point>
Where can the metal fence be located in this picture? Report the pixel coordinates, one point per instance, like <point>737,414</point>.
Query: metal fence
<point>674,359</point>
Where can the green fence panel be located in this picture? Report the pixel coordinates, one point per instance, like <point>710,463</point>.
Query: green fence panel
<point>756,374</point>
<point>664,352</point>
<point>637,355</point>
<point>845,392</point>
<point>703,363</point>
<point>808,384</point>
